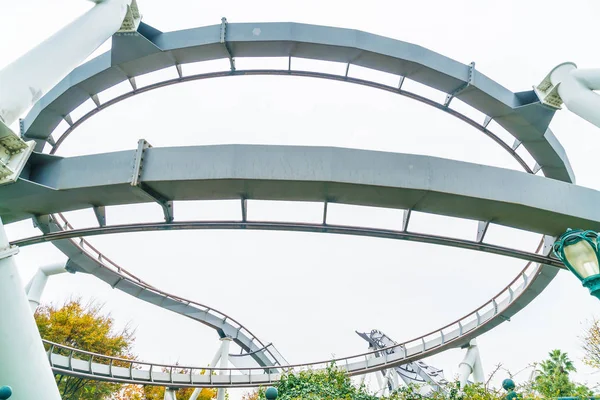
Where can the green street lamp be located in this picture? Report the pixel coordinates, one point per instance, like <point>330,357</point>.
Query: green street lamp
<point>5,392</point>
<point>271,393</point>
<point>578,250</point>
<point>509,386</point>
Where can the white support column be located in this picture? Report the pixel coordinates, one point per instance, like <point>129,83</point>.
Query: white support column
<point>471,364</point>
<point>170,394</point>
<point>213,364</point>
<point>25,80</point>
<point>37,284</point>
<point>379,375</point>
<point>226,341</point>
<point>23,365</point>
<point>395,381</point>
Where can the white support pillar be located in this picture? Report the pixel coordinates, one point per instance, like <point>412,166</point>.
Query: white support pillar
<point>226,341</point>
<point>213,364</point>
<point>395,381</point>
<point>379,375</point>
<point>37,284</point>
<point>24,364</point>
<point>170,394</point>
<point>25,80</point>
<point>471,364</point>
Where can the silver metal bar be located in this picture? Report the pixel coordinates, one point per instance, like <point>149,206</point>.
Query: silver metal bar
<point>405,220</point>
<point>295,227</point>
<point>482,228</point>
<point>244,210</point>
<point>100,213</point>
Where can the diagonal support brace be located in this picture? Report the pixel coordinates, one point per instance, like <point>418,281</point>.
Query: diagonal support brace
<point>136,181</point>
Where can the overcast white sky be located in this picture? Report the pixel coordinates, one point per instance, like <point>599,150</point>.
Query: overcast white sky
<point>307,293</point>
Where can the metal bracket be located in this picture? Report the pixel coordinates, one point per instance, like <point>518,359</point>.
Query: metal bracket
<point>44,223</point>
<point>487,121</point>
<point>72,267</point>
<point>100,213</point>
<point>9,252</point>
<point>325,212</point>
<point>136,181</point>
<point>548,93</point>
<point>548,244</point>
<point>96,100</point>
<point>536,168</point>
<point>244,210</point>
<point>224,42</point>
<point>401,82</point>
<point>132,18</point>
<point>406,219</point>
<point>68,119</point>
<point>482,230</point>
<point>463,87</point>
<point>133,83</point>
<point>516,144</point>
<point>14,153</point>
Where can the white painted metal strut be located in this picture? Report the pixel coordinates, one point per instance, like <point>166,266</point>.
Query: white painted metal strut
<point>27,79</point>
<point>37,284</point>
<point>23,355</point>
<point>22,83</point>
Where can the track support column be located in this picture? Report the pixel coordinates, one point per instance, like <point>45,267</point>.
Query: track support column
<point>222,352</point>
<point>471,364</point>
<point>170,394</point>
<point>37,284</point>
<point>225,342</point>
<point>24,365</point>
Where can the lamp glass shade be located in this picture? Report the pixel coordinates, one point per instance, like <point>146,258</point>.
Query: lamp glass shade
<point>581,256</point>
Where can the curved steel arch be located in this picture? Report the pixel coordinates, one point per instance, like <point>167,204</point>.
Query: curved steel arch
<point>482,127</point>
<point>520,114</point>
<point>72,233</point>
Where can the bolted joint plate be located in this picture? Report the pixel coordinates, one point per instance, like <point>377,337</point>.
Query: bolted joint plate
<point>548,93</point>
<point>132,19</point>
<point>8,252</point>
<point>14,153</point>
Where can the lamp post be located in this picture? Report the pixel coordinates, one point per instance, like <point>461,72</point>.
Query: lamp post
<point>271,393</point>
<point>509,386</point>
<point>578,250</point>
<point>5,392</point>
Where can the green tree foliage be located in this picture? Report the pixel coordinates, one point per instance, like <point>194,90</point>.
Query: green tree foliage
<point>135,392</point>
<point>334,384</point>
<point>591,345</point>
<point>84,327</point>
<point>331,384</point>
<point>553,378</point>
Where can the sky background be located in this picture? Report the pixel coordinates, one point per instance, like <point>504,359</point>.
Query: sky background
<point>308,293</point>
